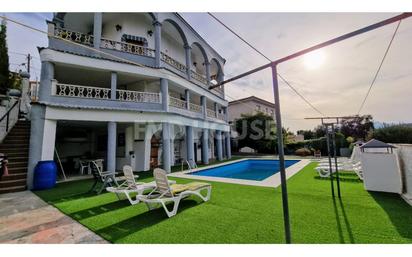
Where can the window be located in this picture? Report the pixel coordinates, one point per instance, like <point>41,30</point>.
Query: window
<point>258,108</point>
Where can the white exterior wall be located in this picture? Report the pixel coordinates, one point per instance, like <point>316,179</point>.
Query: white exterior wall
<point>173,48</point>
<point>235,110</point>
<point>132,24</point>
<point>49,138</point>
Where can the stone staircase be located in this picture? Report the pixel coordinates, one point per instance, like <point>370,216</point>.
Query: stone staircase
<point>16,147</point>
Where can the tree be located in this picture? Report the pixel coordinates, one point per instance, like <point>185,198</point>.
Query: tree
<point>357,127</point>
<point>256,131</point>
<point>307,134</point>
<point>4,61</point>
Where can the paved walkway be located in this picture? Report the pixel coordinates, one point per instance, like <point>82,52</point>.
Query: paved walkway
<point>25,218</point>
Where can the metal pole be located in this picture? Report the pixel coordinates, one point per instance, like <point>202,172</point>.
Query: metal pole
<point>332,188</point>
<point>281,156</point>
<point>336,159</point>
<point>28,63</point>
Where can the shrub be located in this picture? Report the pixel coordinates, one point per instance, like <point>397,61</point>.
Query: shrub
<point>393,134</point>
<point>303,152</point>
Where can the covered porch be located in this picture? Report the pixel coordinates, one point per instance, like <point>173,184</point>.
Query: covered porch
<point>142,145</point>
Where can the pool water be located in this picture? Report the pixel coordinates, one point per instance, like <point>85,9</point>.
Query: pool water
<point>247,169</point>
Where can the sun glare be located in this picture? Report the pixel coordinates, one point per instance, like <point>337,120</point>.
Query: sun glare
<point>314,60</point>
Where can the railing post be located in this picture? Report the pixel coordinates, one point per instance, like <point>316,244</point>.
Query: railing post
<point>53,87</point>
<point>216,111</point>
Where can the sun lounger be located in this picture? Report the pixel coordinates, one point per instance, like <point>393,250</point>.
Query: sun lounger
<point>324,171</point>
<point>165,193</point>
<point>130,187</point>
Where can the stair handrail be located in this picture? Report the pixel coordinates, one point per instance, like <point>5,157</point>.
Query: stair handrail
<point>6,117</point>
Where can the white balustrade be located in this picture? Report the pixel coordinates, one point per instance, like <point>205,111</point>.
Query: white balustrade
<point>69,90</point>
<point>172,62</point>
<point>126,47</point>
<point>195,108</point>
<point>198,77</point>
<point>211,113</point>
<point>81,91</point>
<point>176,102</point>
<point>74,36</point>
<point>139,97</point>
<point>221,116</point>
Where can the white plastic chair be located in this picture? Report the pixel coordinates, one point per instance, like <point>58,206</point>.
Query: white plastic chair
<point>84,165</point>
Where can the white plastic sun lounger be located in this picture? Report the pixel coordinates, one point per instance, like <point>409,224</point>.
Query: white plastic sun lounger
<point>130,187</point>
<point>165,193</point>
<point>323,170</point>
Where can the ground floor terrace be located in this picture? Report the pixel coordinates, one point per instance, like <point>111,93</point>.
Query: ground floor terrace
<point>238,214</point>
<point>142,144</point>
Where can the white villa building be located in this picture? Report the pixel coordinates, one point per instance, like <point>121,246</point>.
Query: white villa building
<point>129,88</point>
<point>250,105</point>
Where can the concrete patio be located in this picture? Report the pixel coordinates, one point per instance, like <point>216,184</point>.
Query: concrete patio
<point>25,218</point>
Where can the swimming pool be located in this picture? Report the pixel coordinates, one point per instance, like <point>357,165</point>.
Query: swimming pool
<point>246,169</point>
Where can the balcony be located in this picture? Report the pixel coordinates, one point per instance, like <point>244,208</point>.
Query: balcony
<point>68,90</point>
<point>198,77</point>
<point>195,108</point>
<point>74,36</point>
<point>177,103</point>
<point>126,47</point>
<point>136,50</point>
<point>172,62</point>
<point>210,113</point>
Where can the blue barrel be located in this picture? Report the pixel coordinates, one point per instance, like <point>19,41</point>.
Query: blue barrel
<point>45,174</point>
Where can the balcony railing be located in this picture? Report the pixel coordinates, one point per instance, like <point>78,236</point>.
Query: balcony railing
<point>221,116</point>
<point>169,60</point>
<point>127,47</point>
<point>81,91</point>
<point>176,102</point>
<point>74,36</point>
<point>139,97</point>
<point>195,108</point>
<point>198,77</point>
<point>69,90</point>
<point>211,113</point>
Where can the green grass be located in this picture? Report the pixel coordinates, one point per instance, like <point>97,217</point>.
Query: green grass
<point>245,214</point>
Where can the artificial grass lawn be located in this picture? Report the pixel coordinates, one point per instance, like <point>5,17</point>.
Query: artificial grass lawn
<point>245,214</point>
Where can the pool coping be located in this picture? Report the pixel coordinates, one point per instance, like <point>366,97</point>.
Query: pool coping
<point>272,181</point>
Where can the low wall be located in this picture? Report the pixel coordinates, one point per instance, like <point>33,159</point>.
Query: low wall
<point>404,152</point>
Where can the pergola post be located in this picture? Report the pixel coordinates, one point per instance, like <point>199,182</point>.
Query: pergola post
<point>281,155</point>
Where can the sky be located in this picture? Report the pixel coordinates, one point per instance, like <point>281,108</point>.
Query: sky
<point>337,87</point>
